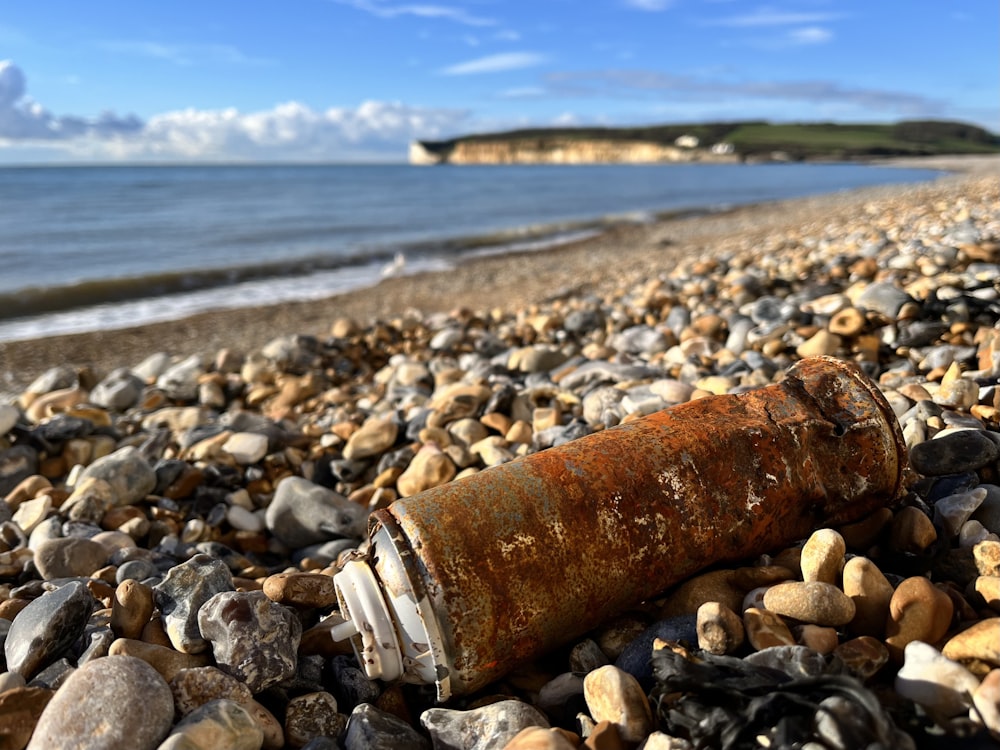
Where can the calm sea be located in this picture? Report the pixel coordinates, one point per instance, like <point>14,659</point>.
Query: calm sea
<point>85,248</point>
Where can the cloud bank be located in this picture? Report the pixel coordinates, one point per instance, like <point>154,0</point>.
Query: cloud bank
<point>291,131</point>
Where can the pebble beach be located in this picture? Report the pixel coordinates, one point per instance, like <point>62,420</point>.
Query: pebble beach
<point>175,498</point>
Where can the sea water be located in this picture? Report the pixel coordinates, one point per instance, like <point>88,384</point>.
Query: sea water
<point>87,248</point>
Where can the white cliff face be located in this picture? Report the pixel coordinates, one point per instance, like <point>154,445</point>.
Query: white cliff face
<point>560,151</point>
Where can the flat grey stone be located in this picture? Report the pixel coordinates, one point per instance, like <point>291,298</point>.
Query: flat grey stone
<point>47,627</point>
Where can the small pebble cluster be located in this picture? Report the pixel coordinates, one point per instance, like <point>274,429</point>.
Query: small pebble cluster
<point>168,530</point>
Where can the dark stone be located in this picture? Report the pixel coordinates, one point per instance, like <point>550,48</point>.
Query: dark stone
<point>955,453</point>
<point>63,427</point>
<point>368,728</point>
<point>351,685</point>
<point>16,464</point>
<point>635,659</point>
<point>181,595</point>
<point>46,628</point>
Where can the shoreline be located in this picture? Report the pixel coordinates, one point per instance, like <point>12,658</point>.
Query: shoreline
<point>510,281</point>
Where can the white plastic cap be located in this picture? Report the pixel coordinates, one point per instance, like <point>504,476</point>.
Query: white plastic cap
<point>394,634</point>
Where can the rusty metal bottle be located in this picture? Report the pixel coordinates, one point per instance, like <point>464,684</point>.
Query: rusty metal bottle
<point>464,581</point>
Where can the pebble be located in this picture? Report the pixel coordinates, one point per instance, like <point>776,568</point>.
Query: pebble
<point>720,630</point>
<point>952,512</point>
<point>313,715</point>
<point>979,642</point>
<point>987,557</point>
<point>482,728</point>
<point>131,608</point>
<point>46,628</point>
<point>430,468</point>
<point>303,513</point>
<point>810,601</point>
<point>765,629</point>
<point>369,728</point>
<point>615,696</point>
<point>956,452</point>
<point>301,589</point>
<point>373,438</point>
<point>181,595</point>
<point>246,447</point>
<point>20,709</point>
<point>871,593</point>
<point>96,708</point>
<point>823,557</point>
<point>127,472</point>
<point>220,723</point>
<point>252,638</point>
<point>934,681</point>
<point>69,557</point>
<point>986,700</point>
<point>163,658</point>
<point>918,611</point>
<point>196,686</point>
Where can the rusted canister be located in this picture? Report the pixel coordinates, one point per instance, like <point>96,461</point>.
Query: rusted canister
<point>464,581</point>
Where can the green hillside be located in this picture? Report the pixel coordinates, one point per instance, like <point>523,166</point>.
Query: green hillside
<point>760,139</point>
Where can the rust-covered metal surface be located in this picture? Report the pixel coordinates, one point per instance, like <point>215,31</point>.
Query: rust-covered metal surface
<point>528,555</point>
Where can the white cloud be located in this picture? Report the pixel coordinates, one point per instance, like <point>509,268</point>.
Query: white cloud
<point>507,35</point>
<point>649,5</point>
<point>290,131</point>
<point>184,54</point>
<point>810,35</point>
<point>495,63</point>
<point>771,17</point>
<point>446,12</point>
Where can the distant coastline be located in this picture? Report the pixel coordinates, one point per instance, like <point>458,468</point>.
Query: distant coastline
<point>750,141</point>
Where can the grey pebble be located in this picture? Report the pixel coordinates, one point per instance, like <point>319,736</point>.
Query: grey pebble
<point>9,415</point>
<point>253,638</point>
<point>120,390</point>
<point>368,728</point>
<point>484,728</point>
<point>883,297</point>
<point>129,474</point>
<point>954,453</point>
<point>107,704</point>
<point>47,628</point>
<point>181,594</point>
<point>302,513</point>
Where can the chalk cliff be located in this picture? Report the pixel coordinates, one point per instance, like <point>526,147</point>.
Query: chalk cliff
<point>557,151</point>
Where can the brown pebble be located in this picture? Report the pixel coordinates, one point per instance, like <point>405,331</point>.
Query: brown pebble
<point>862,534</point>
<point>918,611</point>
<point>197,686</point>
<point>864,656</point>
<point>848,322</point>
<point>980,642</point>
<point>27,489</point>
<point>131,607</point>
<point>912,531</point>
<point>821,639</point>
<point>20,709</point>
<point>715,586</point>
<point>810,601</point>
<point>765,629</point>
<point>301,589</point>
<point>166,661</point>
<point>615,695</point>
<point>604,736</point>
<point>871,592</point>
<point>538,738</point>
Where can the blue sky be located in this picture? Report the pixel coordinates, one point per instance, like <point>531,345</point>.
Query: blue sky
<point>356,80</point>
